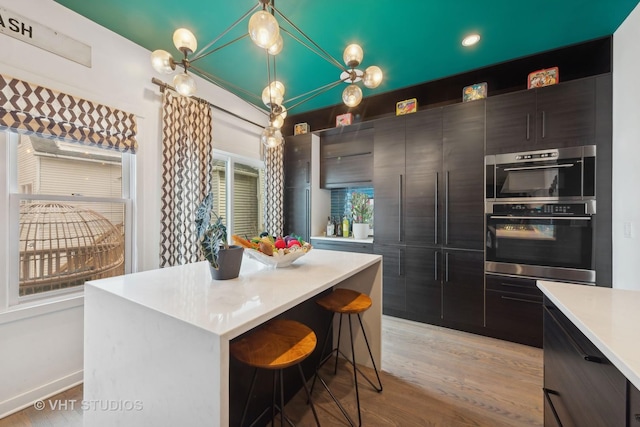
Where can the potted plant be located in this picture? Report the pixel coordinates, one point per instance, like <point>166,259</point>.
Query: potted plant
<point>362,214</point>
<point>224,259</point>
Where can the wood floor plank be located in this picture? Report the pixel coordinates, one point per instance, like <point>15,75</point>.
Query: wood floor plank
<point>432,376</point>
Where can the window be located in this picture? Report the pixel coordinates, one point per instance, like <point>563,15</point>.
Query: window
<point>245,207</point>
<point>69,217</point>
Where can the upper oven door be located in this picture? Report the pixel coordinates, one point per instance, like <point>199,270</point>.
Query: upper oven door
<point>544,175</point>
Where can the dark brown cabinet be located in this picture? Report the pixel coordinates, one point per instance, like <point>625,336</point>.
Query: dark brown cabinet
<point>561,115</point>
<point>463,288</point>
<point>341,245</point>
<point>513,309</point>
<point>297,185</point>
<point>581,387</point>
<point>634,406</point>
<point>347,158</point>
<point>429,214</point>
<point>463,156</point>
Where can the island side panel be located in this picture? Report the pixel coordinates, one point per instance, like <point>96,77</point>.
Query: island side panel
<point>142,367</point>
<point>367,281</point>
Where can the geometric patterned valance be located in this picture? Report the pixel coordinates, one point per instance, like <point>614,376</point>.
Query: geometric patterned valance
<point>31,109</point>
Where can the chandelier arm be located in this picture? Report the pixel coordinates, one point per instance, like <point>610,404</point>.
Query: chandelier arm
<point>329,59</point>
<point>199,54</point>
<point>314,92</point>
<point>324,55</point>
<point>220,47</point>
<point>227,85</point>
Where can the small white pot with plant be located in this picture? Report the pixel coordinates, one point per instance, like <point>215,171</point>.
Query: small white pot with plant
<point>362,214</point>
<point>224,259</point>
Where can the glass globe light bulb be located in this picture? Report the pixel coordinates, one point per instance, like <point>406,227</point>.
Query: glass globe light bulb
<point>372,77</point>
<point>277,122</point>
<point>352,95</point>
<point>184,40</point>
<point>263,29</point>
<point>353,55</point>
<point>184,84</point>
<point>162,62</point>
<point>271,137</point>
<point>273,94</point>
<point>276,48</point>
<point>278,114</point>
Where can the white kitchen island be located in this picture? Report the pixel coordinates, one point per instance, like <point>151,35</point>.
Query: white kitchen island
<point>157,342</point>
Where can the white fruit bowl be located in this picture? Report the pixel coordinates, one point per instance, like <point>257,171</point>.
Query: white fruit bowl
<point>278,260</point>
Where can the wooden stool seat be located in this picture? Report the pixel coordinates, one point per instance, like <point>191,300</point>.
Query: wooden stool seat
<point>345,301</point>
<point>277,345</point>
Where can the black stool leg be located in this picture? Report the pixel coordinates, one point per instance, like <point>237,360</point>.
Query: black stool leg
<point>375,368</point>
<point>335,370</point>
<point>355,371</point>
<point>304,384</point>
<point>246,405</point>
<point>324,348</point>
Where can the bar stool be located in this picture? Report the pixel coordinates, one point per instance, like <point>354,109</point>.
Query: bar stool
<point>275,346</point>
<point>346,301</point>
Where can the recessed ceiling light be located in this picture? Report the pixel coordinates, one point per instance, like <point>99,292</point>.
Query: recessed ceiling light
<point>471,39</point>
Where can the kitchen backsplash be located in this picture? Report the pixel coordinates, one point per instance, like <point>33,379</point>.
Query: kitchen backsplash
<point>340,198</point>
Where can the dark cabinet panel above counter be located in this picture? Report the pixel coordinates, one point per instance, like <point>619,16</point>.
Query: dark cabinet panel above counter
<point>346,158</point>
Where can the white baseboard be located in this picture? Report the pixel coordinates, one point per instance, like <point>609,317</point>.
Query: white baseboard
<point>45,391</point>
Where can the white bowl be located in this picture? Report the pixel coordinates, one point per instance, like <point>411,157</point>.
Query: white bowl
<point>277,260</point>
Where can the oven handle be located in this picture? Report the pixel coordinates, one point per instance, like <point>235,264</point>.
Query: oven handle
<point>525,168</point>
<point>579,218</point>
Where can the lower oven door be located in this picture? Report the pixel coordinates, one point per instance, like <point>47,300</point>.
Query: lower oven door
<point>554,247</point>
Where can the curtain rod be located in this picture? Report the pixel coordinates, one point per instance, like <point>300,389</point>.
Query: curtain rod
<point>164,86</point>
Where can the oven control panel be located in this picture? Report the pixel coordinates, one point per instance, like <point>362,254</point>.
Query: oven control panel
<point>540,209</point>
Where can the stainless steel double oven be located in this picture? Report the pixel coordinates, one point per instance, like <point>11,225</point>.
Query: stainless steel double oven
<point>540,214</point>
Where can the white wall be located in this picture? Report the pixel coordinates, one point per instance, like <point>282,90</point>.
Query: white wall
<point>626,152</point>
<point>41,347</point>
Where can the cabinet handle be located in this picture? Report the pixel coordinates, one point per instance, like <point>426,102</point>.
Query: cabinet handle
<point>400,209</point>
<point>308,213</point>
<point>446,208</point>
<point>528,124</point>
<point>308,170</point>
<point>574,344</point>
<point>435,265</point>
<point>446,267</point>
<point>399,262</point>
<point>435,213</point>
<point>544,124</point>
<point>520,300</point>
<point>547,392</point>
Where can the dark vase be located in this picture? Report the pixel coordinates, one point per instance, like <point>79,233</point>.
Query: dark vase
<point>229,262</point>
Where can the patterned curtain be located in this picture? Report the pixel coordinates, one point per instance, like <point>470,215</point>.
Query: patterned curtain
<point>30,109</point>
<point>274,190</point>
<point>187,158</point>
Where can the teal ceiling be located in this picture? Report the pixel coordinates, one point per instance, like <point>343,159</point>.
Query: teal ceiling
<point>413,41</point>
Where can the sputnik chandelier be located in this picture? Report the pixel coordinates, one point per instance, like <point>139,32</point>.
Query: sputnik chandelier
<point>265,31</point>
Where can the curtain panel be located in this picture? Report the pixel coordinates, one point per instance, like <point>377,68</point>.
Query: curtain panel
<point>274,190</point>
<point>30,109</point>
<point>187,159</point>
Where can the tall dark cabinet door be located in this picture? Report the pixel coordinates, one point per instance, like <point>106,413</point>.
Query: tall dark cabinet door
<point>566,114</point>
<point>423,286</point>
<point>463,170</point>
<point>511,121</point>
<point>297,214</point>
<point>463,288</point>
<point>423,139</point>
<point>389,180</point>
<point>297,161</point>
<point>394,292</point>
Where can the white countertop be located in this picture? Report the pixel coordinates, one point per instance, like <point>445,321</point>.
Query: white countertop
<point>343,239</point>
<point>230,307</point>
<point>610,318</point>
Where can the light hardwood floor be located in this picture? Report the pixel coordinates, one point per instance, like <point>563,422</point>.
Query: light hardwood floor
<point>432,376</point>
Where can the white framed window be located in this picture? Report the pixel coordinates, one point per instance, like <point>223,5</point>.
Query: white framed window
<point>243,210</point>
<point>69,216</point>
